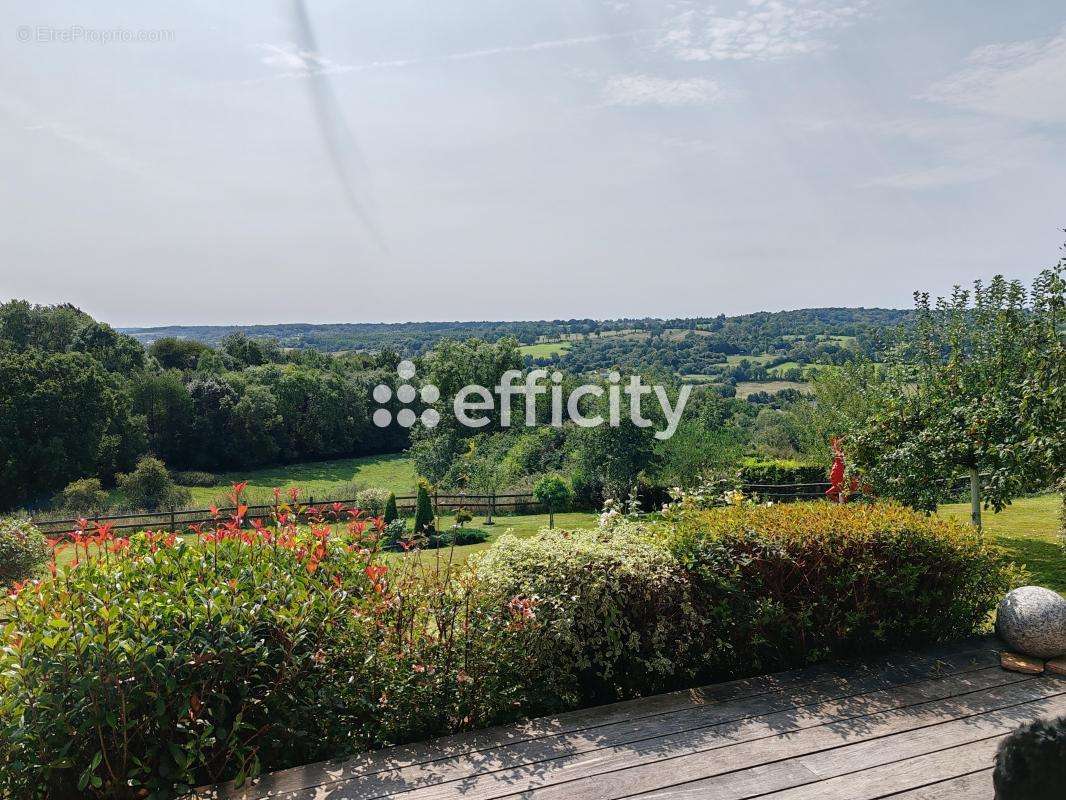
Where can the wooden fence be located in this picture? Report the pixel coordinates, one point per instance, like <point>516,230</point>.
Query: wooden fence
<point>177,520</point>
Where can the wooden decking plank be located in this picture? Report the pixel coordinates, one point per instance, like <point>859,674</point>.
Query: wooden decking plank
<point>975,786</point>
<point>900,776</point>
<point>945,658</point>
<point>619,734</point>
<point>1008,689</point>
<point>644,772</point>
<point>812,769</point>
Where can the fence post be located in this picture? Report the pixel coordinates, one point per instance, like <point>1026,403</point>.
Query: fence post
<point>173,528</point>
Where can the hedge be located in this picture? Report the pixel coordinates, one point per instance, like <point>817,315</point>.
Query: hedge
<point>780,471</point>
<point>151,664</point>
<point>783,585</point>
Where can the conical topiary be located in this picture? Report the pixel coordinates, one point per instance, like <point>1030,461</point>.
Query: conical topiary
<point>423,511</point>
<point>391,513</point>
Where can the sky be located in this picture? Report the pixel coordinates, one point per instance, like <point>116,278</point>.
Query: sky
<point>392,160</point>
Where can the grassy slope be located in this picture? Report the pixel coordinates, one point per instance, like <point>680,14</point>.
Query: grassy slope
<point>394,472</point>
<point>1029,531</point>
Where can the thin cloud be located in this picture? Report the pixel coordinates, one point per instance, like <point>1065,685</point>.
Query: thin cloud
<point>1007,91</point>
<point>645,90</point>
<point>298,62</point>
<point>769,30</point>
<point>1018,80</point>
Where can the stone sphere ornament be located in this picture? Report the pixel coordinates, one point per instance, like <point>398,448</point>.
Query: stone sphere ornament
<point>1032,620</point>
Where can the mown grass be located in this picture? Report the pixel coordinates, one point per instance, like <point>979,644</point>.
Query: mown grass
<point>1029,531</point>
<point>394,472</point>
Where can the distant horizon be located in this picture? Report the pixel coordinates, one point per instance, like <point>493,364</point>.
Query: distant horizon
<point>139,328</point>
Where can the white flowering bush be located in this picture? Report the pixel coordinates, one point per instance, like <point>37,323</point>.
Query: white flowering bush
<point>23,550</point>
<point>613,611</point>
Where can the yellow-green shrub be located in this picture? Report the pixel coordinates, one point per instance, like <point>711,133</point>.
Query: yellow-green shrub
<point>792,583</point>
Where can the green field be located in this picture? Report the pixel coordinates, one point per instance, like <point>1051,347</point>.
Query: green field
<point>745,388</point>
<point>545,349</point>
<point>1029,530</point>
<point>394,472</point>
<point>735,358</point>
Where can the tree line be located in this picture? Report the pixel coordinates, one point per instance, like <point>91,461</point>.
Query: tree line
<point>78,398</point>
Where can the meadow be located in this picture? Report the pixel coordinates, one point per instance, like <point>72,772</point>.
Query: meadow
<point>747,388</point>
<point>545,349</point>
<point>393,472</point>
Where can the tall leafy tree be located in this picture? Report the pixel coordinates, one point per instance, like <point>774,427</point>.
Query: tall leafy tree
<point>974,388</point>
<point>54,412</point>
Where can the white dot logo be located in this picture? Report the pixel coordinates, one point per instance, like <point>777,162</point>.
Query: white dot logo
<point>406,394</point>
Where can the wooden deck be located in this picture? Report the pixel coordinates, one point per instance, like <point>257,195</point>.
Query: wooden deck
<point>913,726</point>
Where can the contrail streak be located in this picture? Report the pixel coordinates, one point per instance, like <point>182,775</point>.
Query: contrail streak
<point>340,143</point>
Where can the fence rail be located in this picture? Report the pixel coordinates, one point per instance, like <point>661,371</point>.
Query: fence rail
<point>181,519</point>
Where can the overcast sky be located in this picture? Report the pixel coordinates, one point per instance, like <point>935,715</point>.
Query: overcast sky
<point>388,160</point>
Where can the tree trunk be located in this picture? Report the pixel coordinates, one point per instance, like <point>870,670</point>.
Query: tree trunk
<point>975,499</point>
<point>551,518</point>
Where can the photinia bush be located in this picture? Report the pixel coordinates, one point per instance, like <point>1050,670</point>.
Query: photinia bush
<point>152,664</point>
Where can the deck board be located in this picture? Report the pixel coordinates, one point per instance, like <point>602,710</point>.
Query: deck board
<point>921,723</point>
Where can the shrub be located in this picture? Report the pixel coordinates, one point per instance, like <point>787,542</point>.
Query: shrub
<point>457,537</point>
<point>614,610</point>
<point>779,471</point>
<point>787,584</point>
<point>22,549</point>
<point>150,487</point>
<point>390,514</point>
<point>424,520</point>
<point>84,496</point>
<point>197,478</point>
<point>462,516</point>
<point>373,501</point>
<point>154,665</point>
<point>394,536</point>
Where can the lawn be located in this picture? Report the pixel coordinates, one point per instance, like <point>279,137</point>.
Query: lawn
<point>521,525</point>
<point>1030,532</point>
<point>394,472</point>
